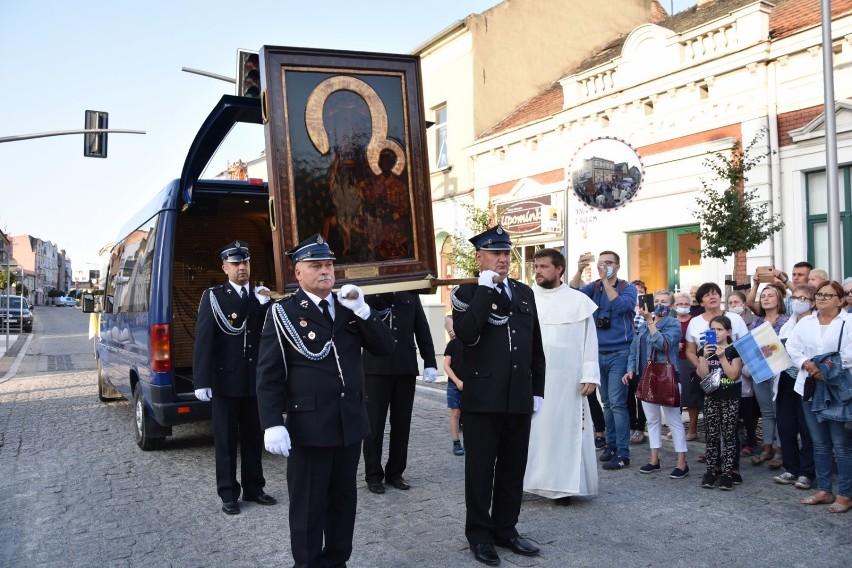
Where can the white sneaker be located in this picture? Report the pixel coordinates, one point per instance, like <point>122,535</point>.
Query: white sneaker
<point>803,482</point>
<point>786,478</point>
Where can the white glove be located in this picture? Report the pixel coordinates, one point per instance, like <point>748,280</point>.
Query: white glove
<point>260,297</point>
<point>430,374</point>
<point>486,278</point>
<point>277,440</point>
<point>537,403</point>
<point>357,305</point>
<point>204,394</point>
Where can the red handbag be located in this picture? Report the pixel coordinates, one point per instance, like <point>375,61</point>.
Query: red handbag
<point>659,384</point>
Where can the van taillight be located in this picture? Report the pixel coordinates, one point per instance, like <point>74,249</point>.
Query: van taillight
<point>161,348</point>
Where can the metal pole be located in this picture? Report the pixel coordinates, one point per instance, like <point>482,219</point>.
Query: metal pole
<point>209,74</point>
<point>8,304</point>
<point>22,301</point>
<point>66,132</point>
<point>835,263</point>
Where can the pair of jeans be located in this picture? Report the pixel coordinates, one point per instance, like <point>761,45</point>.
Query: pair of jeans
<point>763,395</point>
<point>828,436</point>
<point>790,417</point>
<point>613,366</point>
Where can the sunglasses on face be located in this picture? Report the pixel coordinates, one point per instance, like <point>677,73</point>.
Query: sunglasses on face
<point>802,298</point>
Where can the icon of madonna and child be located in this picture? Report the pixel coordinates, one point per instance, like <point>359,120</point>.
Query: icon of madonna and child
<point>351,183</point>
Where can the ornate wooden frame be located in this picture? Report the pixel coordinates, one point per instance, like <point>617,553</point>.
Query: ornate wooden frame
<point>346,153</point>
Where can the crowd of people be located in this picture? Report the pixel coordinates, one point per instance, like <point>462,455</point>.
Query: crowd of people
<point>540,378</point>
<point>806,436</point>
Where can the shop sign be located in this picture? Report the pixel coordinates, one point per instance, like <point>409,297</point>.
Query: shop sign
<point>530,216</point>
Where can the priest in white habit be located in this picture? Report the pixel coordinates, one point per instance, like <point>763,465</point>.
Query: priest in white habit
<point>561,461</point>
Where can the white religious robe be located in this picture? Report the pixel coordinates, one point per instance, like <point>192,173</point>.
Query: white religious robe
<point>562,457</point>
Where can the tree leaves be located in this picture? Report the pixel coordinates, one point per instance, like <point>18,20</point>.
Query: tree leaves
<point>731,221</point>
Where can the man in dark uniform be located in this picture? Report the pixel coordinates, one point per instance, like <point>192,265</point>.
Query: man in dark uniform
<point>230,318</point>
<point>310,367</point>
<point>503,374</point>
<point>390,385</point>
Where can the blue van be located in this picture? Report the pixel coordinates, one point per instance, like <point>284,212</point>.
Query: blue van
<point>162,261</point>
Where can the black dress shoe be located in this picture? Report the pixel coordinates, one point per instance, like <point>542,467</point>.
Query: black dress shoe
<point>518,545</point>
<point>376,487</point>
<point>485,553</point>
<point>262,499</point>
<point>562,501</point>
<point>231,508</point>
<point>400,483</point>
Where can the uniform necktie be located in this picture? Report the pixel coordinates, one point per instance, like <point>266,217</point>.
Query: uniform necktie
<point>502,297</point>
<point>325,311</point>
<point>243,295</point>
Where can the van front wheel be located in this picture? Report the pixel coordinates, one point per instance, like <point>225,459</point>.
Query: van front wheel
<point>143,424</point>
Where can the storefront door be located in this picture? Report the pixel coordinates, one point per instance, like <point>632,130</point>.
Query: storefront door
<point>665,258</point>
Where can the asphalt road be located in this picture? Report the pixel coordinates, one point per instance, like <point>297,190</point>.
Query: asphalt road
<point>76,491</point>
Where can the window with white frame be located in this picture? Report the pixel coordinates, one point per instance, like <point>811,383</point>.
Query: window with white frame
<point>441,158</point>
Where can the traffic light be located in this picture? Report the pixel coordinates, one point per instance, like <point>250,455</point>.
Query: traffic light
<point>95,144</point>
<point>248,74</point>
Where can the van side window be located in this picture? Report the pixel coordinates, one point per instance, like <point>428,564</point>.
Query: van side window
<point>113,278</point>
<point>133,292</point>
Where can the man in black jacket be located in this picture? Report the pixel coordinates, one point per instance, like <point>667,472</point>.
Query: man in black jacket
<point>503,374</point>
<point>310,367</point>
<point>390,386</point>
<point>227,333</point>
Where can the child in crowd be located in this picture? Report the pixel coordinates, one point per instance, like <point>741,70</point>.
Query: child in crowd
<point>722,405</point>
<point>454,385</point>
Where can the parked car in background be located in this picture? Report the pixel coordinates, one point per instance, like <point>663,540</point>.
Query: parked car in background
<point>65,301</point>
<point>18,313</point>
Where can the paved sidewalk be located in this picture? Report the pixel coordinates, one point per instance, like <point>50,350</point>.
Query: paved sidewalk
<point>76,491</point>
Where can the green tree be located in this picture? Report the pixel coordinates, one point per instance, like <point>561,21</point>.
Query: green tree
<point>462,256</point>
<point>13,277</point>
<point>732,223</point>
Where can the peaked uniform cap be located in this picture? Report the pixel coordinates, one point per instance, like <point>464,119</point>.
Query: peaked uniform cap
<point>495,238</point>
<point>314,247</point>
<point>235,251</point>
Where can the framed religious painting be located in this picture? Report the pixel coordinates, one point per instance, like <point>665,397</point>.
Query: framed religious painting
<point>346,153</point>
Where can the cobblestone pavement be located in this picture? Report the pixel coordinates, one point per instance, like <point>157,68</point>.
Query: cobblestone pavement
<point>76,491</point>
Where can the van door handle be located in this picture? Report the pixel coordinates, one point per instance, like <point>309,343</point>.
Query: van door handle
<point>272,213</point>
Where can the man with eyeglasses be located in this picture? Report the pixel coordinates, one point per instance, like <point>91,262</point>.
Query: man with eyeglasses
<point>616,300</point>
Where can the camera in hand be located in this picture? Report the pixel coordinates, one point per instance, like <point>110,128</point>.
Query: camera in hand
<point>603,323</point>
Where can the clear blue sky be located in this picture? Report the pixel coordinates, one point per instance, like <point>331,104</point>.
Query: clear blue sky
<point>59,58</point>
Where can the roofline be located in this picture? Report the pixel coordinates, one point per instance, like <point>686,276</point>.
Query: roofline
<point>452,28</point>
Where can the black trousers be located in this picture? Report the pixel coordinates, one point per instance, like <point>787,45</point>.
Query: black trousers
<point>496,447</point>
<point>597,412</point>
<point>323,498</point>
<point>235,419</point>
<point>394,393</point>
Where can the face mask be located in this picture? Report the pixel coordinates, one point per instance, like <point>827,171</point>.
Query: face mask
<point>661,311</point>
<point>609,272</point>
<point>682,311</point>
<point>799,307</point>
<point>738,310</point>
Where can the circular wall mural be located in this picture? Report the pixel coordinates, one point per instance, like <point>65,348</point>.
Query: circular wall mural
<point>606,173</point>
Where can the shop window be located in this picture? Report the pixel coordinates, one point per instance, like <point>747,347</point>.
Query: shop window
<point>816,189</point>
<point>665,258</point>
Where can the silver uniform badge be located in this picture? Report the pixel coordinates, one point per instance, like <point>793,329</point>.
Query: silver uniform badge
<point>311,335</point>
<point>304,303</point>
